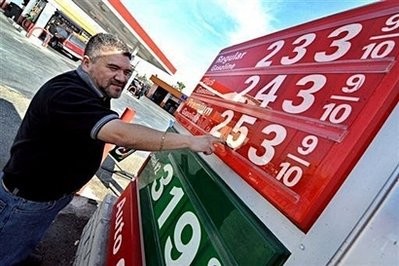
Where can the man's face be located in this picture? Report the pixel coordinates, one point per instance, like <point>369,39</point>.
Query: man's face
<point>109,71</point>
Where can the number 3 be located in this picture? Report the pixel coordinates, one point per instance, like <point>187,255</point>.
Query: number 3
<point>156,194</point>
<point>307,95</point>
<point>265,158</point>
<point>342,44</point>
<point>300,50</point>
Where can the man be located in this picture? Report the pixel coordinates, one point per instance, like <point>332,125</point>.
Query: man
<point>59,145</point>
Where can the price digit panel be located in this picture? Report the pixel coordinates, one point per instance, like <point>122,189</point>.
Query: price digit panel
<point>191,218</point>
<point>299,107</point>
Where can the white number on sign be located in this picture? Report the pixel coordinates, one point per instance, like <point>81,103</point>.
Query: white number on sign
<point>381,50</point>
<point>235,141</point>
<point>177,194</point>
<point>253,81</point>
<point>163,181</point>
<point>336,113</point>
<point>307,95</point>
<point>271,89</point>
<point>275,47</point>
<point>304,41</point>
<point>291,175</point>
<point>309,143</point>
<point>263,159</point>
<point>342,45</point>
<point>215,131</point>
<point>121,262</point>
<point>214,262</point>
<point>187,250</point>
<point>354,83</point>
<point>392,23</point>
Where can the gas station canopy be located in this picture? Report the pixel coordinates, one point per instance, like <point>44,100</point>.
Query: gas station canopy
<point>114,18</point>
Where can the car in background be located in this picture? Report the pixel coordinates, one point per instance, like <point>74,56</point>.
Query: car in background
<point>136,87</point>
<point>70,43</point>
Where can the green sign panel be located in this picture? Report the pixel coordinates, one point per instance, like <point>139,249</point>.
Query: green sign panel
<point>190,217</point>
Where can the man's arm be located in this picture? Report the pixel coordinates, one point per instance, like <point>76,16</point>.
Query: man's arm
<point>140,137</point>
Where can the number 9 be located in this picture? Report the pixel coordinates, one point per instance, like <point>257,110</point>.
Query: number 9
<point>188,251</point>
<point>309,143</point>
<point>354,83</point>
<point>393,22</point>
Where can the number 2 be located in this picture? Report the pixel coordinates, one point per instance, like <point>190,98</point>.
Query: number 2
<point>276,46</point>
<point>215,131</point>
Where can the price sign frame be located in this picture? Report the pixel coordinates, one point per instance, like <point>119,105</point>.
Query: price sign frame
<point>190,218</point>
<point>299,107</point>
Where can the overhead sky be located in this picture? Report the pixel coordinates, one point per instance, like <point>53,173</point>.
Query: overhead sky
<point>192,32</point>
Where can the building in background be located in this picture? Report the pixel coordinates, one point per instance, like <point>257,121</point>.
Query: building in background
<point>164,95</point>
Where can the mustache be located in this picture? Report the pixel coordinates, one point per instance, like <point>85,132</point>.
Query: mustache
<point>117,83</point>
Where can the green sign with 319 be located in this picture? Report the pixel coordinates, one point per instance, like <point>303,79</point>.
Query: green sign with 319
<point>190,217</point>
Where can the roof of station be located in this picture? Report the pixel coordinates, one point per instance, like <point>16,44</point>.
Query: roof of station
<point>160,83</point>
<point>115,18</point>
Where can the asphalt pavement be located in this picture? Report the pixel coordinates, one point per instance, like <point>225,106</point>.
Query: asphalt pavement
<point>24,66</point>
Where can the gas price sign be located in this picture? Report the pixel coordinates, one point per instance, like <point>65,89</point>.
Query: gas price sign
<point>299,107</point>
<point>190,218</point>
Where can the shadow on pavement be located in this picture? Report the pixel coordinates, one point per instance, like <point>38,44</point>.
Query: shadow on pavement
<point>9,123</point>
<point>106,177</point>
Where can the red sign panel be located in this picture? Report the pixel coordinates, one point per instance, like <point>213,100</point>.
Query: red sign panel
<point>299,107</point>
<point>124,246</point>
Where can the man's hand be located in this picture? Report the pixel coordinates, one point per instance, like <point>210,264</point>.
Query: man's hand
<point>205,143</point>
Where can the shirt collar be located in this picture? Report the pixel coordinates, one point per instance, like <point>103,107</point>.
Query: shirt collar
<point>86,78</point>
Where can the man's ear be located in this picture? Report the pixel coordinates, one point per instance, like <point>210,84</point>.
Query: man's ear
<point>85,62</point>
